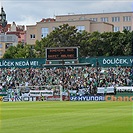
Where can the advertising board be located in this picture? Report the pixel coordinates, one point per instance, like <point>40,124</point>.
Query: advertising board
<point>87,98</point>
<point>118,98</point>
<point>18,99</point>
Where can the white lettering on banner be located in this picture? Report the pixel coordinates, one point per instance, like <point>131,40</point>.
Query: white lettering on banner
<point>110,89</point>
<point>87,98</point>
<point>115,61</point>
<point>25,94</point>
<point>38,93</point>
<point>102,90</point>
<point>6,63</point>
<point>34,63</point>
<point>124,88</point>
<point>92,98</point>
<point>22,63</point>
<point>73,98</point>
<point>35,93</point>
<point>131,60</point>
<point>101,98</point>
<point>81,98</point>
<point>13,99</point>
<point>47,93</point>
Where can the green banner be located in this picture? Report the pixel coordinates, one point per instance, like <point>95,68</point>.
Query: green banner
<point>22,63</point>
<point>112,61</point>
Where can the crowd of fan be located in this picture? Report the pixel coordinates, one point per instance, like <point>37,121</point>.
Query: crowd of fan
<point>70,77</point>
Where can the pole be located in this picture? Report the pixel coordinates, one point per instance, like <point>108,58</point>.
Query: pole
<point>132,58</point>
<point>97,65</point>
<point>63,74</point>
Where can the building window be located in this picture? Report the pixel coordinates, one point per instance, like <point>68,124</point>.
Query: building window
<point>0,53</point>
<point>32,36</point>
<point>127,28</point>
<point>126,18</point>
<point>0,45</point>
<point>8,45</point>
<point>104,19</point>
<point>93,19</point>
<point>9,38</point>
<point>82,18</point>
<point>45,32</point>
<point>80,28</point>
<point>70,20</point>
<point>115,19</point>
<point>53,28</point>
<point>116,29</point>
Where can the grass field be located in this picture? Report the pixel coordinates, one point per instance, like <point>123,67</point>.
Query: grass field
<point>66,117</point>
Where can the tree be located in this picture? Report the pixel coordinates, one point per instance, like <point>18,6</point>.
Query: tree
<point>117,43</point>
<point>63,36</point>
<point>95,44</point>
<point>19,51</point>
<point>89,44</point>
<point>9,54</point>
<point>40,48</point>
<point>84,44</point>
<point>29,51</point>
<point>127,40</point>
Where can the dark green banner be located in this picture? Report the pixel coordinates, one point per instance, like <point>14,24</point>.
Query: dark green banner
<point>22,63</point>
<point>113,61</point>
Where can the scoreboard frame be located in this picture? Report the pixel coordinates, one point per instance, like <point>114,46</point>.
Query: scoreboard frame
<point>61,53</point>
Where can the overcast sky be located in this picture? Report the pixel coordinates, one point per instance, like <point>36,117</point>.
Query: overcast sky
<point>27,12</point>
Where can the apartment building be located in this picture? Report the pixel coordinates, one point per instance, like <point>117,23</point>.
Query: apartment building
<point>18,30</point>
<point>101,22</point>
<point>45,26</point>
<point>120,20</point>
<point>6,41</point>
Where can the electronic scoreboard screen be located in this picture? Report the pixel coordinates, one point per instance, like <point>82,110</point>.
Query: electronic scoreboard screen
<point>62,53</point>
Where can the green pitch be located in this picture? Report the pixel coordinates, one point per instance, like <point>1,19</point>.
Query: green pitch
<point>66,117</point>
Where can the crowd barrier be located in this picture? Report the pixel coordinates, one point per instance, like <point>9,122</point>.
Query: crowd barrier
<point>123,93</point>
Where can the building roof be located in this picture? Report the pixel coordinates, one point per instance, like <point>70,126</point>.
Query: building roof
<point>94,13</point>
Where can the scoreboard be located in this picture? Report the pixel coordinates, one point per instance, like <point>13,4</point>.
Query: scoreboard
<point>62,53</point>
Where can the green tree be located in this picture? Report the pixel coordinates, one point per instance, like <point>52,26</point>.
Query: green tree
<point>9,54</point>
<point>40,48</point>
<point>63,36</point>
<point>126,41</point>
<point>84,44</point>
<point>19,51</point>
<point>116,43</point>
<point>89,44</point>
<point>95,44</point>
<point>29,51</point>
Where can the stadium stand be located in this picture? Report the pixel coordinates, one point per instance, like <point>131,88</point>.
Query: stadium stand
<point>72,78</point>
